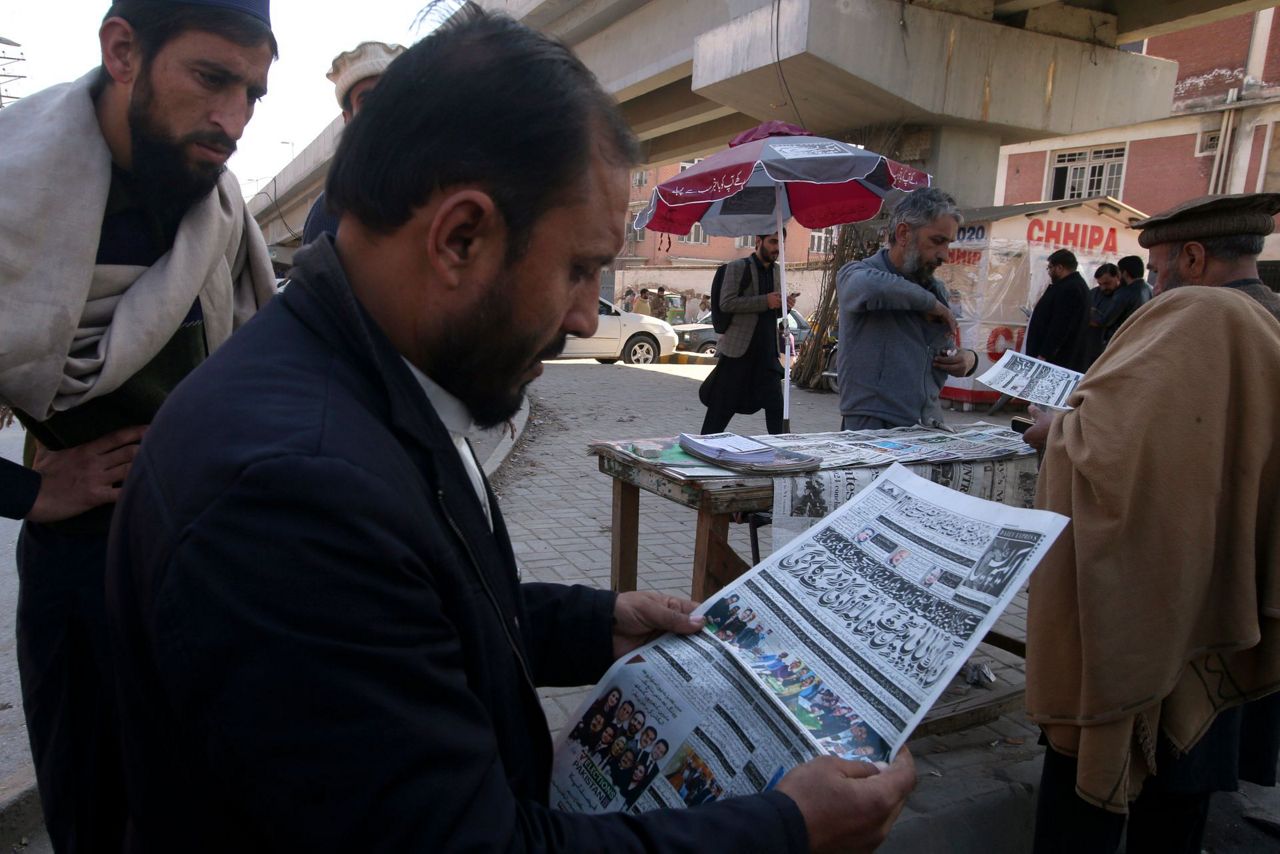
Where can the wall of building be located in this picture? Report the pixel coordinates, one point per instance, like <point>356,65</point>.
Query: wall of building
<point>1025,177</point>
<point>1211,58</point>
<point>1160,173</point>
<point>1170,161</point>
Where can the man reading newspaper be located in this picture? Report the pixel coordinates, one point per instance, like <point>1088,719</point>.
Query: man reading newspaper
<point>321,638</point>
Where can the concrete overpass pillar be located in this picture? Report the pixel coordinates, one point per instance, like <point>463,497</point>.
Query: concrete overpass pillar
<point>963,162</point>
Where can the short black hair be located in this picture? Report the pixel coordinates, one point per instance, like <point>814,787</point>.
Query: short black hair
<point>772,233</point>
<point>1064,258</point>
<point>157,22</point>
<point>482,100</point>
<point>1132,265</point>
<point>1106,270</point>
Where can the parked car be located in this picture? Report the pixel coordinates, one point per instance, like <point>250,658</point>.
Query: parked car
<point>633,338</point>
<point>701,337</point>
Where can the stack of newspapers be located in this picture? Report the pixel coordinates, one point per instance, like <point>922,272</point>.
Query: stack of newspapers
<point>742,453</point>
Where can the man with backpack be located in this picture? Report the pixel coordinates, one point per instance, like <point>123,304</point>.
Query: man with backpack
<point>746,305</point>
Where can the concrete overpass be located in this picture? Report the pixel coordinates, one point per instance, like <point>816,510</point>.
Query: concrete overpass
<point>956,78</point>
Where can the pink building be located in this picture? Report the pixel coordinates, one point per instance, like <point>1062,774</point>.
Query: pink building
<point>1217,138</point>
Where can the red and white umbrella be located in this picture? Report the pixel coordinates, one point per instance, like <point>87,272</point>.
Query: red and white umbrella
<point>773,173</point>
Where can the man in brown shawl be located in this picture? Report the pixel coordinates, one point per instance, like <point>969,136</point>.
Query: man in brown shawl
<point>1153,633</point>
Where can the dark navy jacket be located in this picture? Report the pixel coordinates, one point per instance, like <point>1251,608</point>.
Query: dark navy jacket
<point>1057,330</point>
<point>320,645</point>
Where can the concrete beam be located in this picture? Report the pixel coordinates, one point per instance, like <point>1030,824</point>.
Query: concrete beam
<point>697,141</point>
<point>980,9</point>
<point>1070,22</point>
<point>874,61</point>
<point>584,20</point>
<point>654,45</point>
<point>670,108</point>
<point>1142,19</point>
<point>1005,8</point>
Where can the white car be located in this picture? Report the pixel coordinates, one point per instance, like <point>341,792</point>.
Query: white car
<point>633,338</point>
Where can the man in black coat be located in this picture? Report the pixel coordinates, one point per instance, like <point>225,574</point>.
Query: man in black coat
<point>1057,331</point>
<point>319,632</point>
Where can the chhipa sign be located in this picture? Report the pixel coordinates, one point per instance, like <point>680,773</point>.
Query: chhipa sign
<point>998,269</point>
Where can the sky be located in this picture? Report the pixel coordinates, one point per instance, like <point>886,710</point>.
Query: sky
<point>59,40</point>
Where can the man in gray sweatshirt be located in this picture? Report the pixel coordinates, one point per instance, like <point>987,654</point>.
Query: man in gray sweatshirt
<point>898,337</point>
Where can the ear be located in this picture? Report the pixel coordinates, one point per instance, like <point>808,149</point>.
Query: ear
<point>901,233</point>
<point>121,53</point>
<point>466,238</point>
<point>1194,258</point>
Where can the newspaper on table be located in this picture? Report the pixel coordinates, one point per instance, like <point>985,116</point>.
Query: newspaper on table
<point>1032,379</point>
<point>838,644</point>
<point>982,459</point>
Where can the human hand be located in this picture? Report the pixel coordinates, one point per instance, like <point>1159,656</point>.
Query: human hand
<point>791,301</point>
<point>83,477</point>
<point>1038,434</point>
<point>942,314</point>
<point>773,299</point>
<point>957,363</point>
<point>847,805</point>
<point>639,616</point>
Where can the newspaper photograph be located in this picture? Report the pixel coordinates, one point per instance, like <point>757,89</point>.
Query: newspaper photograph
<point>1031,379</point>
<point>837,644</point>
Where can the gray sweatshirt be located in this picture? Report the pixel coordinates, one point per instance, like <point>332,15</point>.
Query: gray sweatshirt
<point>887,345</point>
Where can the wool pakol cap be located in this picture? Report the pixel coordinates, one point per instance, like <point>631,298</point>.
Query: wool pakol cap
<point>260,9</point>
<point>1211,216</point>
<point>368,59</point>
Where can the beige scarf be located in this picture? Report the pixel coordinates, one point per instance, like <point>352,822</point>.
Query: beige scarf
<point>1162,606</point>
<point>71,330</point>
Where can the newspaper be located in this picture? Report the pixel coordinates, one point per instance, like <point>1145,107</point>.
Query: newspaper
<point>838,644</point>
<point>801,501</point>
<point>984,460</point>
<point>904,445</point>
<point>839,450</point>
<point>1031,379</point>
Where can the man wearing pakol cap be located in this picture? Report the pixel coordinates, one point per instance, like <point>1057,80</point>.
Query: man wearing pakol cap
<point>354,73</point>
<point>1153,630</point>
<point>1213,241</point>
<point>126,256</point>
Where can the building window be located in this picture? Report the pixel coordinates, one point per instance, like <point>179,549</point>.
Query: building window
<point>639,177</point>
<point>689,164</point>
<point>1206,142</point>
<point>820,241</point>
<point>695,235</point>
<point>1087,173</point>
<point>746,241</point>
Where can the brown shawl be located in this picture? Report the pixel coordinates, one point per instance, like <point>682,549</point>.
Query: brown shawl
<point>1162,606</point>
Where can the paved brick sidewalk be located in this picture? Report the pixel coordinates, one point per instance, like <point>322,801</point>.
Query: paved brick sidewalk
<point>558,506</point>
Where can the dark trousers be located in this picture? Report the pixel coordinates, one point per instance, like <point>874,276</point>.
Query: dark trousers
<point>1159,822</point>
<point>864,422</point>
<point>66,693</point>
<point>719,413</point>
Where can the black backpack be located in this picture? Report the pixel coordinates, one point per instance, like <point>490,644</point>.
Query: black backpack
<point>720,320</point>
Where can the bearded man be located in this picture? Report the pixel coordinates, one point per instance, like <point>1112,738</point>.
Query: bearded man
<point>320,632</point>
<point>1153,630</point>
<point>898,338</point>
<point>127,256</point>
